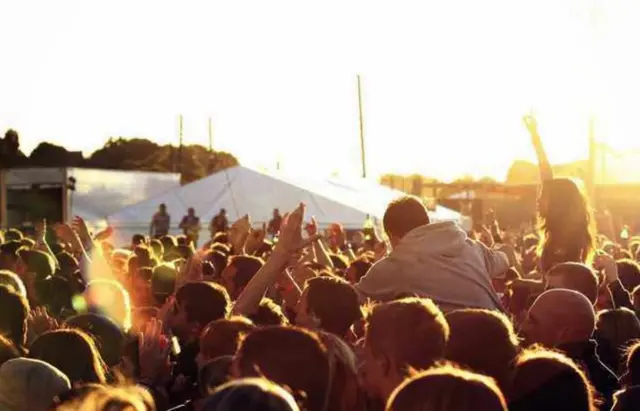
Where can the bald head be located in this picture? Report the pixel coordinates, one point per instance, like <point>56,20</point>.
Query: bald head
<point>560,317</point>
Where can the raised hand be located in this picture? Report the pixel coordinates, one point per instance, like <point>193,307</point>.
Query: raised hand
<point>104,234</point>
<point>291,241</point>
<point>312,227</point>
<point>39,322</point>
<point>532,125</point>
<point>546,172</point>
<point>239,232</point>
<point>41,231</point>
<point>255,239</point>
<point>191,271</point>
<point>65,233</point>
<point>154,348</point>
<point>81,228</point>
<point>607,264</point>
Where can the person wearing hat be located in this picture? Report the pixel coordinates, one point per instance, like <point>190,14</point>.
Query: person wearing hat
<point>30,385</point>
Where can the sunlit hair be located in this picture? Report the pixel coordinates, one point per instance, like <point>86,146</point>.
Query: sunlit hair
<point>291,357</point>
<point>8,350</point>
<point>268,313</point>
<point>483,341</point>
<point>550,381</point>
<point>633,364</point>
<point>412,331</point>
<point>222,337</point>
<point>113,399</point>
<point>346,393</point>
<point>446,388</point>
<point>565,225</point>
<point>626,400</point>
<point>11,280</point>
<point>577,277</point>
<point>250,394</point>
<point>112,299</point>
<point>73,352</point>
<point>616,330</point>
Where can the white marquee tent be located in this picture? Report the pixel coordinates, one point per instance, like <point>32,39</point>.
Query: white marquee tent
<point>241,190</point>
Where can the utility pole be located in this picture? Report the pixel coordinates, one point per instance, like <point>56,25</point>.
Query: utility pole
<point>211,160</point>
<point>362,152</point>
<point>210,137</point>
<point>180,136</point>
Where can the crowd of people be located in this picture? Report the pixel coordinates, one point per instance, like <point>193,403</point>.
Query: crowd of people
<point>285,318</point>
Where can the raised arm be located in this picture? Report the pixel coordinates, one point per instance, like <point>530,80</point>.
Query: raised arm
<point>290,243</point>
<point>546,173</point>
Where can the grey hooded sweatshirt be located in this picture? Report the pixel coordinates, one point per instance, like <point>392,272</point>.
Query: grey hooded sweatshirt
<point>441,262</point>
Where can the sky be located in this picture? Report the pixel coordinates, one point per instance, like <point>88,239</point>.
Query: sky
<point>444,83</point>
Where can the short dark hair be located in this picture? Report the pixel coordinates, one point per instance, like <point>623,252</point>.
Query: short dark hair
<point>163,281</point>
<point>217,259</point>
<point>541,375</point>
<point>222,337</point>
<point>339,262</point>
<point>246,267</point>
<point>484,341</point>
<point>144,254</point>
<point>13,234</point>
<point>361,266</point>
<point>204,301</point>
<point>39,263</point>
<point>138,239</point>
<point>220,237</point>
<point>68,263</point>
<point>157,247</point>
<point>14,309</point>
<point>334,302</point>
<point>290,357</point>
<point>268,313</point>
<point>403,215</point>
<point>629,273</point>
<point>577,277</point>
<point>412,331</point>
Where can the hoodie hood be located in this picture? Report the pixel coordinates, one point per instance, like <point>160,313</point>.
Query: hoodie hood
<point>440,262</point>
<point>443,239</point>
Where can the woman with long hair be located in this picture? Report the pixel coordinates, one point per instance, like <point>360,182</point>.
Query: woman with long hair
<point>566,226</point>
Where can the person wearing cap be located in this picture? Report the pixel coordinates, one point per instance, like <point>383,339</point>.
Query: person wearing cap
<point>30,385</point>
<point>219,223</point>
<point>160,223</point>
<point>190,226</point>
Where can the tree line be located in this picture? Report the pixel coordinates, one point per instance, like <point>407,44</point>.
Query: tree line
<point>141,154</point>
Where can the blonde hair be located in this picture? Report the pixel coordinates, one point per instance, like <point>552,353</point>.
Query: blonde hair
<point>130,398</point>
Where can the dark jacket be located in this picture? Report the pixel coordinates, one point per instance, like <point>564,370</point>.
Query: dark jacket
<point>602,378</point>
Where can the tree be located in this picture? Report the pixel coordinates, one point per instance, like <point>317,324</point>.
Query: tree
<point>194,161</point>
<point>10,154</point>
<point>51,155</point>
